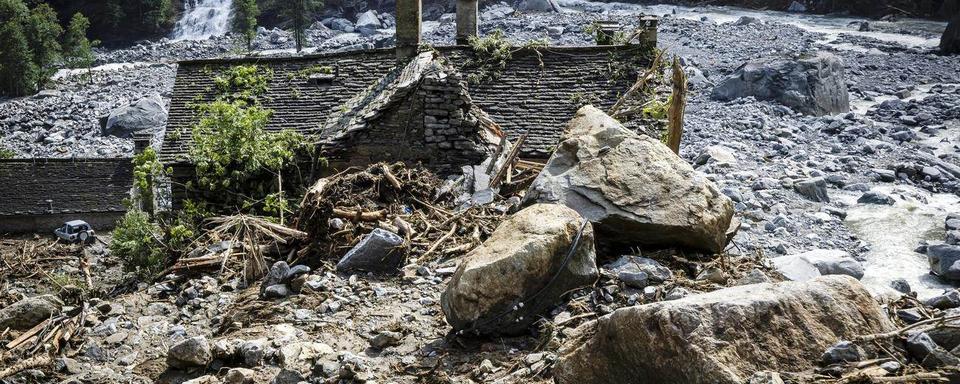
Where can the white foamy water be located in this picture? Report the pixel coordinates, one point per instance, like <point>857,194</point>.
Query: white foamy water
<point>893,232</point>
<point>203,19</point>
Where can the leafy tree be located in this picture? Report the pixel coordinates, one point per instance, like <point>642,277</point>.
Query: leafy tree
<point>136,241</point>
<point>300,13</point>
<point>17,71</point>
<point>245,13</point>
<point>155,14</point>
<point>113,13</point>
<point>79,49</point>
<point>44,37</point>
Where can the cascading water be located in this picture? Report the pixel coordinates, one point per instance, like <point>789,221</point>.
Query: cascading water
<point>203,19</point>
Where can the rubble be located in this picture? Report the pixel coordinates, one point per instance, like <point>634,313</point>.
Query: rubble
<point>632,187</point>
<point>522,270</point>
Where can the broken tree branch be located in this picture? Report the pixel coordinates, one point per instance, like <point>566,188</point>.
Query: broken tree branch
<point>678,102</point>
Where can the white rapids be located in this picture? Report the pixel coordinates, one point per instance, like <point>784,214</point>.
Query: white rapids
<point>203,19</point>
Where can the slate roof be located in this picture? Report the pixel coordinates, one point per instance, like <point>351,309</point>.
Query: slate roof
<point>536,93</point>
<point>70,185</point>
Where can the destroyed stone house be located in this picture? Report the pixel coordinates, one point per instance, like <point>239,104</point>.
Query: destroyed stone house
<point>395,104</point>
<point>39,195</point>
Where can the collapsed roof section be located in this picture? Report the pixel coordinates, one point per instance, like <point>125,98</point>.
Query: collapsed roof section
<point>421,112</point>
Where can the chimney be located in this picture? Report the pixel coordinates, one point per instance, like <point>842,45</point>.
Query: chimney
<point>466,20</point>
<point>141,141</point>
<point>408,28</point>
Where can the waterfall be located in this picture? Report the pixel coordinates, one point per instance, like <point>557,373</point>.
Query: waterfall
<point>203,19</point>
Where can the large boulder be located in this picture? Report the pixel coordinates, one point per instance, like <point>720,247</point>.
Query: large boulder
<point>632,187</point>
<point>147,114</point>
<point>944,261</point>
<point>950,42</point>
<point>29,312</point>
<point>723,336</point>
<point>811,85</point>
<point>538,6</point>
<point>524,268</point>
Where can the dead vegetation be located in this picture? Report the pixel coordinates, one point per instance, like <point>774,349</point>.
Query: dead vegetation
<point>410,201</point>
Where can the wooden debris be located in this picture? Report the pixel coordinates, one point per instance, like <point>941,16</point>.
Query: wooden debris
<point>678,103</point>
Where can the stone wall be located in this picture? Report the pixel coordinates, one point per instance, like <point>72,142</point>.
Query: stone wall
<point>35,191</point>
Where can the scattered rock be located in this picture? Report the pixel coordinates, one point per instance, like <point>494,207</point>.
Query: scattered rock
<point>493,290</point>
<point>380,251</point>
<point>191,352</point>
<point>639,272</point>
<point>814,189</point>
<point>538,6</point>
<point>632,187</point>
<point>716,334</point>
<point>825,261</point>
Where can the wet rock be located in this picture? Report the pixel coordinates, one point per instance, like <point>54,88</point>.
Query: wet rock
<point>632,187</point>
<point>147,114</point>
<point>944,261</point>
<point>813,85</point>
<point>380,251</point>
<point>814,189</point>
<point>29,312</point>
<point>949,299</point>
<point>874,197</point>
<point>639,272</point>
<point>950,41</point>
<point>493,290</point>
<point>188,353</point>
<point>716,334</point>
<point>808,265</point>
<point>900,285</point>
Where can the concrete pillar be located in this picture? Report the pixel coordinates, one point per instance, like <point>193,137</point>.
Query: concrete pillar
<point>408,28</point>
<point>467,11</point>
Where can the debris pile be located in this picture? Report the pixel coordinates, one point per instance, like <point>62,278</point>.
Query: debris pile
<point>392,212</point>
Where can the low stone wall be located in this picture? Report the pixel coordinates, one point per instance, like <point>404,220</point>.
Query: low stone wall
<point>102,222</point>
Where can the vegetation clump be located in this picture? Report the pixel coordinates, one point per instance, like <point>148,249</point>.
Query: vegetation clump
<point>237,160</point>
<point>136,241</point>
<point>244,20</point>
<point>491,54</point>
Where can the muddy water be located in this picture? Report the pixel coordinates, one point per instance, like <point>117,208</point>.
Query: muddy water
<point>893,232</point>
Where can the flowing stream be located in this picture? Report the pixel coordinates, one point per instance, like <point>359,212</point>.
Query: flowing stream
<point>203,19</point>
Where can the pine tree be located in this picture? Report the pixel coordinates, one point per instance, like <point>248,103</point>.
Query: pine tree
<point>44,35</point>
<point>300,13</point>
<point>245,13</point>
<point>17,71</point>
<point>78,51</point>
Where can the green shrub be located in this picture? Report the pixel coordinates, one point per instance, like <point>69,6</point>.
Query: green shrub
<point>136,243</point>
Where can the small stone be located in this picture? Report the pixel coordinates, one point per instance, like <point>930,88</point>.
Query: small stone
<point>239,376</point>
<point>191,352</point>
<point>386,339</point>
<point>842,352</point>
